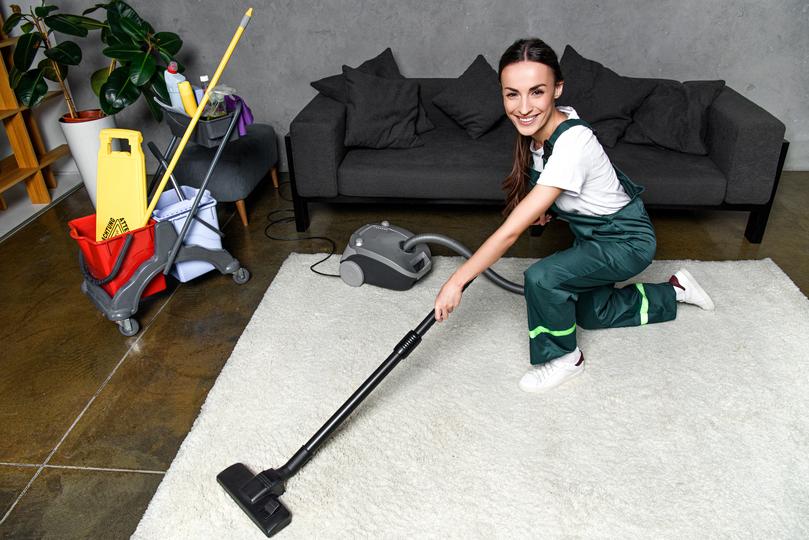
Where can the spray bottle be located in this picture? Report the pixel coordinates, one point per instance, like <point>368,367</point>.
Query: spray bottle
<point>173,79</point>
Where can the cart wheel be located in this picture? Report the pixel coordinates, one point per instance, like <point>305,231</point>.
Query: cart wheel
<point>128,327</point>
<point>241,276</point>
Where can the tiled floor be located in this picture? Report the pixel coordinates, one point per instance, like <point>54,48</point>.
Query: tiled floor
<point>90,420</point>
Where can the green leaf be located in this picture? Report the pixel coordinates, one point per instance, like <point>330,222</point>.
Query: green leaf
<point>26,50</point>
<point>12,22</point>
<point>88,22</point>
<point>27,27</point>
<point>49,72</point>
<point>168,42</point>
<point>157,112</point>
<point>44,11</point>
<point>125,23</point>
<point>65,53</point>
<point>92,9</point>
<point>158,86</point>
<point>142,70</point>
<point>129,52</point>
<point>118,92</point>
<point>66,24</point>
<point>111,39</point>
<point>14,76</point>
<point>134,30</point>
<point>98,78</point>
<point>31,88</point>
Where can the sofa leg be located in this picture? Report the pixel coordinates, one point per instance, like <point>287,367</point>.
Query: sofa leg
<point>274,174</point>
<point>242,209</point>
<point>757,222</point>
<point>301,208</point>
<point>299,204</point>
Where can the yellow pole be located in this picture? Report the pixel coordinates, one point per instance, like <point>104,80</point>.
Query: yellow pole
<point>200,107</point>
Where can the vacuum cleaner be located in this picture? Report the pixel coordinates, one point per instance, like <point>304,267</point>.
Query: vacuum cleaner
<point>377,254</point>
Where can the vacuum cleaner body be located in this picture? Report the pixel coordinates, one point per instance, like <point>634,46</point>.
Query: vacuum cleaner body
<point>374,255</point>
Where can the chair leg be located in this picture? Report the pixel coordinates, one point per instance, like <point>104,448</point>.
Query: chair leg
<point>274,173</point>
<point>242,209</point>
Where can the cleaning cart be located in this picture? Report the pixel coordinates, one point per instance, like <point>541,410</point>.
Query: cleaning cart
<point>130,259</point>
<point>184,240</point>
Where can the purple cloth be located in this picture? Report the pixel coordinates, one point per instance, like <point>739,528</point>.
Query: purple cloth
<point>245,119</point>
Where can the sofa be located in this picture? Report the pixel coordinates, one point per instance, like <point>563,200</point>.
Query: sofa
<point>744,152</point>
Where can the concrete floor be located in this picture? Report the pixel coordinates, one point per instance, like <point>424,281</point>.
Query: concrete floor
<point>90,420</point>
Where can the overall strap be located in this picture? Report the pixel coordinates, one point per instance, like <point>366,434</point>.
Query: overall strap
<point>561,128</point>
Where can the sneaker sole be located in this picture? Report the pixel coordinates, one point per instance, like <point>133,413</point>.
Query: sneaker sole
<point>697,286</point>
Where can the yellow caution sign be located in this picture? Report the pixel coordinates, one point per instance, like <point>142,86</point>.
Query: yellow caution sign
<point>121,191</point>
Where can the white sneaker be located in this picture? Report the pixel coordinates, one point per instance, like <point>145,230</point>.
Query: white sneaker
<point>543,377</point>
<point>688,290</point>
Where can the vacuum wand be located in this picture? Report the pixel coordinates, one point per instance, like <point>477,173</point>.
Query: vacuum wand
<point>258,494</point>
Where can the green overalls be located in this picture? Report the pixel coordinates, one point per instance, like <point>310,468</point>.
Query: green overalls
<point>577,286</point>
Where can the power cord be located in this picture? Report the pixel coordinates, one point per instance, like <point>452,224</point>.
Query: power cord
<point>273,221</point>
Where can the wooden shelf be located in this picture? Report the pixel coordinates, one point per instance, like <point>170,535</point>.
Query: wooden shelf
<point>8,41</point>
<point>5,113</point>
<point>30,163</point>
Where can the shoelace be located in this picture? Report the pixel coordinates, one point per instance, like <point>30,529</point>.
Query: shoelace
<point>542,371</point>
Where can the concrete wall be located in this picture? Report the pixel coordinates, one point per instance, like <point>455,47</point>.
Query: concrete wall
<point>760,48</point>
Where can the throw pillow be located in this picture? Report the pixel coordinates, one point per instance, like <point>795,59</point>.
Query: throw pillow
<point>382,65</point>
<point>600,96</point>
<point>675,116</point>
<point>380,112</point>
<point>473,100</point>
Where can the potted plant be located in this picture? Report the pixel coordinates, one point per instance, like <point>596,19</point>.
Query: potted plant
<point>136,52</point>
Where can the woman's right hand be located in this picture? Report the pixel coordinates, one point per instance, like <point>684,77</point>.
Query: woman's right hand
<point>449,297</point>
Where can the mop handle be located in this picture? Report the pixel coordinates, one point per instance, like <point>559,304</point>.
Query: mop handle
<point>200,108</point>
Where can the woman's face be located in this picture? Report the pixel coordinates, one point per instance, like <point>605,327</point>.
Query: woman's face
<point>529,93</point>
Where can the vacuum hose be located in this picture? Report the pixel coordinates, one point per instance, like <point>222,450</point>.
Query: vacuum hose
<point>460,249</point>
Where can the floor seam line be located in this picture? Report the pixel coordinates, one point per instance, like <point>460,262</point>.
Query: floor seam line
<point>84,410</point>
<point>82,468</point>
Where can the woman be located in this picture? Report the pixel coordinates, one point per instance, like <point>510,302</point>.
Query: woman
<point>560,167</point>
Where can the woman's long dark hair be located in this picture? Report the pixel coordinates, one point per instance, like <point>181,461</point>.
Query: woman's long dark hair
<point>532,50</point>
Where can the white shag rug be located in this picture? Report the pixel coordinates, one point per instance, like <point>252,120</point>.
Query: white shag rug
<point>689,429</point>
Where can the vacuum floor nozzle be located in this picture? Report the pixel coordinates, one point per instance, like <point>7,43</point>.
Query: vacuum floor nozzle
<point>257,495</point>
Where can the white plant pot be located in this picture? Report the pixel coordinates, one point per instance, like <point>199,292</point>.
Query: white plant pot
<point>83,140</point>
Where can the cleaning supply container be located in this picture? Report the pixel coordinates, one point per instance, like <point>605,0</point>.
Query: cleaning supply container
<point>99,259</point>
<point>170,208</point>
<point>173,79</point>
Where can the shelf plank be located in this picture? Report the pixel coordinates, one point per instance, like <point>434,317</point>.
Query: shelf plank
<point>8,42</point>
<point>53,155</point>
<point>15,175</point>
<point>5,113</point>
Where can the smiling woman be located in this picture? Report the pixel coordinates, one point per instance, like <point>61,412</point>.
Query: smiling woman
<point>560,169</point>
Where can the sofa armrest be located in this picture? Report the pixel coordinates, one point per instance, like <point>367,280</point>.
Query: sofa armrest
<point>317,134</point>
<point>744,141</point>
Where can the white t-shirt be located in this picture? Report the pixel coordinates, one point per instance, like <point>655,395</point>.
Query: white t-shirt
<point>580,167</point>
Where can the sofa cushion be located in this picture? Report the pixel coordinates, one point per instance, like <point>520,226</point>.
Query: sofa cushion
<point>675,116</point>
<point>670,178</point>
<point>473,100</point>
<point>382,65</point>
<point>381,113</point>
<point>600,96</point>
<point>448,166</point>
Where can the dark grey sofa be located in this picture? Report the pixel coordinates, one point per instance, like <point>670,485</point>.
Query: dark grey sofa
<point>741,172</point>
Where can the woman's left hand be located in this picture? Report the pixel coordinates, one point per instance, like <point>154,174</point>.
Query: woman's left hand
<point>449,297</point>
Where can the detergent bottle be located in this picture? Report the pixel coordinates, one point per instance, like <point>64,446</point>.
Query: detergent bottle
<point>173,79</point>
